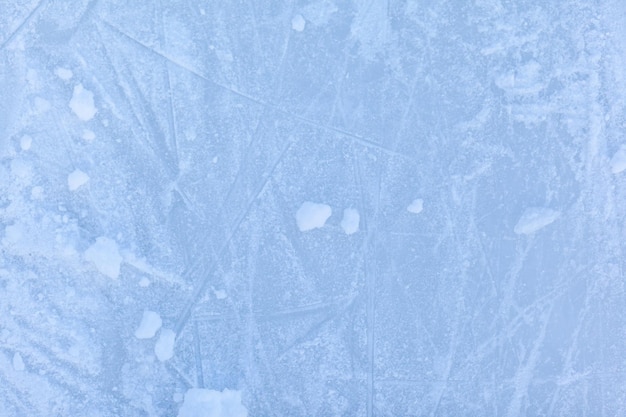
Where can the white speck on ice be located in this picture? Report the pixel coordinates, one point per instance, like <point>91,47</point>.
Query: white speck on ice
<point>200,402</point>
<point>164,346</point>
<point>88,135</point>
<point>298,23</point>
<point>18,362</point>
<point>150,324</point>
<point>535,218</point>
<point>63,73</point>
<point>105,256</point>
<point>312,216</point>
<point>82,103</point>
<point>618,162</point>
<point>416,206</point>
<point>77,179</point>
<point>350,221</point>
<point>220,294</point>
<point>25,142</point>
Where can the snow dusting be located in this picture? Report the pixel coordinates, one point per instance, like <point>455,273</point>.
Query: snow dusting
<point>82,103</point>
<point>416,206</point>
<point>150,324</point>
<point>105,255</point>
<point>77,179</point>
<point>199,402</point>
<point>312,216</point>
<point>164,347</point>
<point>350,221</point>
<point>534,219</point>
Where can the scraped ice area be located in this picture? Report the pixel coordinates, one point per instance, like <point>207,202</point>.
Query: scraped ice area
<point>313,208</point>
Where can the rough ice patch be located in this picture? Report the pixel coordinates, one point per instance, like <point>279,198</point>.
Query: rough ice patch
<point>312,216</point>
<point>18,362</point>
<point>201,402</point>
<point>82,103</point>
<point>535,218</point>
<point>150,324</point>
<point>618,161</point>
<point>77,179</point>
<point>105,255</point>
<point>350,221</point>
<point>164,346</point>
<point>298,23</point>
<point>416,206</point>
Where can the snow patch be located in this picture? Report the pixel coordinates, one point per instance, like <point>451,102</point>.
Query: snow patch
<point>105,255</point>
<point>18,362</point>
<point>618,161</point>
<point>416,206</point>
<point>201,402</point>
<point>77,179</point>
<point>298,23</point>
<point>25,142</point>
<point>312,216</point>
<point>350,221</point>
<point>63,73</point>
<point>82,103</point>
<point>220,294</point>
<point>535,218</point>
<point>150,324</point>
<point>164,347</point>
<point>88,135</point>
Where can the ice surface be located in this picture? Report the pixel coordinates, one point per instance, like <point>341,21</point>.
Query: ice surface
<point>164,346</point>
<point>535,218</point>
<point>312,216</point>
<point>209,403</point>
<point>105,255</point>
<point>150,324</point>
<point>336,208</point>
<point>18,362</point>
<point>82,103</point>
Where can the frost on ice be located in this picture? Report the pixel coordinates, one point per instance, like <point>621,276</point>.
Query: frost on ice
<point>312,216</point>
<point>210,403</point>
<point>77,179</point>
<point>150,324</point>
<point>618,162</point>
<point>82,103</point>
<point>164,347</point>
<point>105,255</point>
<point>535,218</point>
<point>350,221</point>
<point>416,206</point>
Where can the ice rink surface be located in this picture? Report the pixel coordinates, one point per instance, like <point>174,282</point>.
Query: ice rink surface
<point>312,208</point>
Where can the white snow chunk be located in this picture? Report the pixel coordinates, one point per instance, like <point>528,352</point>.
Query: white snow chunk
<point>416,206</point>
<point>18,362</point>
<point>63,73</point>
<point>350,221</point>
<point>200,402</point>
<point>535,218</point>
<point>25,142</point>
<point>106,256</point>
<point>298,23</point>
<point>82,103</point>
<point>150,324</point>
<point>77,179</point>
<point>220,294</point>
<point>164,347</point>
<point>618,162</point>
<point>312,216</point>
<point>88,135</point>
<point>144,282</point>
